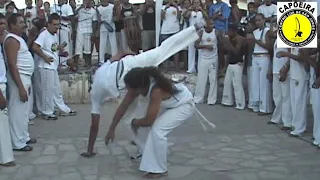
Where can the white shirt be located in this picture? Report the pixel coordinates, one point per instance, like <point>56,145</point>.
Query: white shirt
<point>33,12</point>
<point>268,11</point>
<point>297,69</point>
<point>3,10</point>
<point>209,39</point>
<point>106,13</point>
<point>49,46</point>
<point>278,63</point>
<point>170,24</point>
<point>3,69</point>
<point>259,36</point>
<point>65,10</point>
<point>25,63</point>
<point>85,18</point>
<point>196,18</point>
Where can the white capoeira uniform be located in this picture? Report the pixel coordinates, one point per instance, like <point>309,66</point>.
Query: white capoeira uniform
<point>152,141</point>
<point>260,66</point>
<point>207,68</point>
<point>33,12</point>
<point>85,30</point>
<point>50,95</point>
<point>195,18</point>
<point>103,87</point>
<point>6,153</point>
<point>298,94</point>
<point>315,97</point>
<point>64,33</point>
<point>19,121</point>
<point>233,88</point>
<point>281,91</point>
<point>107,37</point>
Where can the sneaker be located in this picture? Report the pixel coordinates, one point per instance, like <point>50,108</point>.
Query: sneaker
<point>71,113</point>
<point>50,117</point>
<point>31,122</point>
<point>316,143</point>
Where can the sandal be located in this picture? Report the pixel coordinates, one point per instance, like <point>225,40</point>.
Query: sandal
<point>88,155</point>
<point>26,148</point>
<point>32,141</point>
<point>9,164</point>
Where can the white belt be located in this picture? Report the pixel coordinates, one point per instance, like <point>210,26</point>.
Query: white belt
<point>202,119</point>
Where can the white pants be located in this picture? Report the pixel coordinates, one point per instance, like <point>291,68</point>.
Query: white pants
<point>6,153</point>
<point>191,58</point>
<point>64,35</point>
<point>51,95</point>
<point>153,57</point>
<point>37,88</point>
<point>18,112</point>
<point>107,37</point>
<point>83,43</point>
<point>207,68</point>
<point>30,104</point>
<point>250,87</point>
<point>233,87</point>
<point>298,96</point>
<point>261,85</point>
<point>316,113</point>
<point>281,98</point>
<point>154,139</point>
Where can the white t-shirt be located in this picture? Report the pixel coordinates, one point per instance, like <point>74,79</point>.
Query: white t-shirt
<point>297,69</point>
<point>278,63</point>
<point>209,39</point>
<point>3,69</point>
<point>65,10</point>
<point>197,18</point>
<point>3,11</point>
<point>85,18</point>
<point>259,36</point>
<point>25,63</point>
<point>106,13</point>
<point>49,46</point>
<point>268,11</point>
<point>33,12</point>
<point>170,24</point>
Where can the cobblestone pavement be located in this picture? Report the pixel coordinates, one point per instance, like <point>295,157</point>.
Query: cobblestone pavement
<point>243,147</point>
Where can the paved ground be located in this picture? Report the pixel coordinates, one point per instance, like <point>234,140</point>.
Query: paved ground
<point>243,147</point>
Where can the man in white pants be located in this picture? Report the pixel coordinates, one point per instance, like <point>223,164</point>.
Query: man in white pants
<point>207,65</point>
<point>233,87</point>
<point>21,66</point>
<point>6,153</point>
<point>47,48</point>
<point>281,89</point>
<point>298,90</point>
<point>87,25</point>
<point>65,12</point>
<point>108,80</point>
<point>107,36</point>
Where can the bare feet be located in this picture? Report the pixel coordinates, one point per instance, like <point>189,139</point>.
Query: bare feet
<point>154,175</point>
<point>9,164</point>
<point>88,154</point>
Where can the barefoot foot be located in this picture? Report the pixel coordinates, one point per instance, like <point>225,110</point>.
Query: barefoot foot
<point>88,154</point>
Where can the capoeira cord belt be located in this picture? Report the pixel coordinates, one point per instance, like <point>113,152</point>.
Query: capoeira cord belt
<point>203,120</point>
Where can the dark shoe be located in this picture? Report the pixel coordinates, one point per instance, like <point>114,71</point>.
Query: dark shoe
<point>9,164</point>
<point>26,148</point>
<point>71,113</point>
<point>88,155</point>
<point>285,128</point>
<point>270,122</point>
<point>50,117</point>
<point>32,141</point>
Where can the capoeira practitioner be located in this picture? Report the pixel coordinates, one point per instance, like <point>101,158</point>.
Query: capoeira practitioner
<point>207,65</point>
<point>233,87</point>
<point>281,89</point>
<point>47,48</point>
<point>107,30</point>
<point>260,67</point>
<point>21,66</point>
<point>86,30</point>
<point>153,92</point>
<point>6,153</point>
<point>30,13</point>
<point>65,12</point>
<point>103,88</point>
<point>298,90</point>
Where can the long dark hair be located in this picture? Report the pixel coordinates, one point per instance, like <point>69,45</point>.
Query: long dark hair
<point>140,78</point>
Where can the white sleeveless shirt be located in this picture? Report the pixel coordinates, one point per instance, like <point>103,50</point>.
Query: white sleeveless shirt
<point>209,39</point>
<point>3,69</point>
<point>260,34</point>
<point>278,63</point>
<point>182,97</point>
<point>25,62</point>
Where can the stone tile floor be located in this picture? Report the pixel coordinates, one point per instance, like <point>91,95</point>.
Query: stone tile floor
<point>243,147</point>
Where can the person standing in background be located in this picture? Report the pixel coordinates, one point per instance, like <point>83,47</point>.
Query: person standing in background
<point>147,11</point>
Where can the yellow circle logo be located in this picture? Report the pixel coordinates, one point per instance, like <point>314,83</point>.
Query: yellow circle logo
<point>297,28</point>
